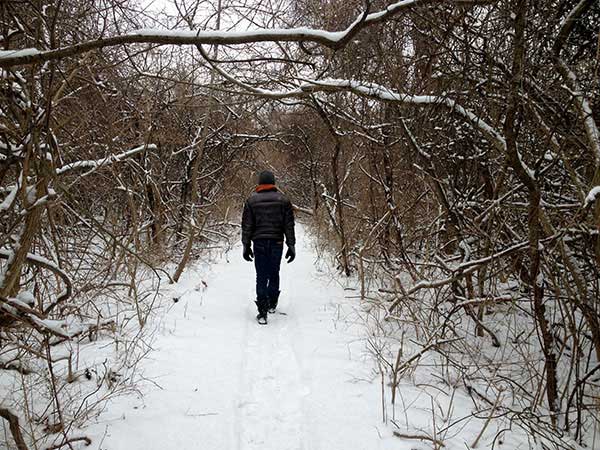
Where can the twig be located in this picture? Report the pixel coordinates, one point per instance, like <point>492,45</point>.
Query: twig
<point>420,437</point>
<point>86,439</point>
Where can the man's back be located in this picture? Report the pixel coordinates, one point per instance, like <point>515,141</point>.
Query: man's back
<point>268,214</point>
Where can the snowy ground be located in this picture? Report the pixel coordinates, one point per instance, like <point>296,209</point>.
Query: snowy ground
<point>221,381</point>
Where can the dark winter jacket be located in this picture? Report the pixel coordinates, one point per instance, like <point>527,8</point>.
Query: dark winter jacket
<point>268,214</point>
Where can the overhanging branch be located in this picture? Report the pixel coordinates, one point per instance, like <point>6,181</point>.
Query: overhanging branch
<point>330,39</point>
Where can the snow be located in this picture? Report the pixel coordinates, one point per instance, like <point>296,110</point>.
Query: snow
<point>19,53</point>
<point>31,194</point>
<point>12,193</point>
<point>466,250</point>
<point>56,326</point>
<point>8,254</point>
<point>592,196</point>
<point>26,297</point>
<point>539,280</point>
<point>9,199</point>
<point>239,36</point>
<point>304,381</point>
<point>390,8</point>
<point>221,381</point>
<point>18,302</point>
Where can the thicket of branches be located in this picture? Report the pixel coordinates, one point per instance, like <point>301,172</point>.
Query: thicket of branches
<point>460,182</point>
<point>448,149</point>
<point>107,174</point>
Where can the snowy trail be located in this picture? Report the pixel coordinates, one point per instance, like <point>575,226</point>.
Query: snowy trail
<point>271,407</point>
<point>224,382</point>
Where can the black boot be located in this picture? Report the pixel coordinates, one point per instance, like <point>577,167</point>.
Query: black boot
<point>261,319</point>
<point>262,306</point>
<point>273,302</point>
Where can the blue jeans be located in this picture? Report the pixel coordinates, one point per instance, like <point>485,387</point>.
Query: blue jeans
<point>267,260</point>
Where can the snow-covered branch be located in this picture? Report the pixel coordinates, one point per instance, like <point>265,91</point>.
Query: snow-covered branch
<point>568,24</point>
<point>110,159</point>
<point>22,312</point>
<point>331,39</point>
<point>584,109</point>
<point>40,261</point>
<point>592,196</point>
<point>378,92</point>
<point>581,101</point>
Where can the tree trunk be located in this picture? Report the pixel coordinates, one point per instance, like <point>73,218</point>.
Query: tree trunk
<point>340,207</point>
<point>511,131</point>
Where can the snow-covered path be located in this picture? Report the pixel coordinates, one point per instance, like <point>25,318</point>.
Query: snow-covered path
<point>225,382</point>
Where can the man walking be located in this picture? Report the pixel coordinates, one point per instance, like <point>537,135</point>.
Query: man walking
<point>268,217</point>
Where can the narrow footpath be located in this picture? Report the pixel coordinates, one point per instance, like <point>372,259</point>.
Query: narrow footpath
<point>220,381</point>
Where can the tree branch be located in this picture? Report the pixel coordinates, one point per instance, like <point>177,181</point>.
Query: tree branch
<point>331,39</point>
<point>15,428</point>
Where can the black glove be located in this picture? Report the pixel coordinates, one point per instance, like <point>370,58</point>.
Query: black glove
<point>290,255</point>
<point>248,255</point>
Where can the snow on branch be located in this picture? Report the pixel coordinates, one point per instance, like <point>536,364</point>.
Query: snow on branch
<point>569,23</point>
<point>12,194</point>
<point>460,271</point>
<point>331,39</point>
<point>22,312</point>
<point>97,163</point>
<point>303,210</point>
<point>584,109</point>
<point>593,195</point>
<point>372,90</point>
<point>378,92</point>
<point>581,101</point>
<point>40,261</point>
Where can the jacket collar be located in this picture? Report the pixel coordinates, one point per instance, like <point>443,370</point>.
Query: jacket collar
<point>265,187</point>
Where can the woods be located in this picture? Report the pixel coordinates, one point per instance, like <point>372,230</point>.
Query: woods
<point>446,154</point>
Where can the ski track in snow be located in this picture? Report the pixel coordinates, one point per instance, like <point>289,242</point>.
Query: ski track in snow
<point>223,382</point>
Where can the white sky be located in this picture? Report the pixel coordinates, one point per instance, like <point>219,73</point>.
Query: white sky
<point>237,15</point>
